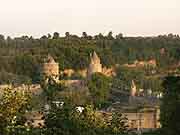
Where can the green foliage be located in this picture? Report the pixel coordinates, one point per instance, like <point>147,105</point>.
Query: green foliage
<point>21,130</point>
<point>55,35</point>
<point>99,87</point>
<point>125,76</point>
<point>119,124</point>
<point>25,53</point>
<point>74,96</point>
<point>67,120</point>
<point>51,87</point>
<point>54,91</point>
<point>170,110</point>
<point>9,78</point>
<point>13,106</point>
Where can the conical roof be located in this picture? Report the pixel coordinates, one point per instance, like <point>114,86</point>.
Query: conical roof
<point>50,59</point>
<point>133,88</point>
<point>95,55</point>
<point>133,83</point>
<point>95,58</point>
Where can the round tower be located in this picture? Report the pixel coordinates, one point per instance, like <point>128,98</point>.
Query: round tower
<point>50,69</point>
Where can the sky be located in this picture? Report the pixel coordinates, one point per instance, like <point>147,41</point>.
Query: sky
<point>130,17</point>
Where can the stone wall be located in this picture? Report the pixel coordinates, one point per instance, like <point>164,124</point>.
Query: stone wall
<point>151,63</point>
<point>73,83</point>
<point>143,120</point>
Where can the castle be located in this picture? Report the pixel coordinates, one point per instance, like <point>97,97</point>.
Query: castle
<point>141,119</point>
<point>95,66</point>
<point>50,69</point>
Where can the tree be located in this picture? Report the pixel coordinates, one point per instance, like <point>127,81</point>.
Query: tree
<point>119,123</point>
<point>44,37</point>
<point>51,88</point>
<point>59,117</point>
<point>13,105</point>
<point>74,96</point>
<point>2,40</point>
<point>99,87</point>
<point>67,34</point>
<point>55,35</point>
<point>49,36</point>
<point>67,120</point>
<point>119,36</point>
<point>99,36</point>
<point>84,35</point>
<point>110,35</point>
<point>126,75</point>
<point>170,108</point>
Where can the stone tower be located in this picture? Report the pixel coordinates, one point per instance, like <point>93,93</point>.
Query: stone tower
<point>50,69</point>
<point>95,64</point>
<point>133,89</point>
<point>132,92</point>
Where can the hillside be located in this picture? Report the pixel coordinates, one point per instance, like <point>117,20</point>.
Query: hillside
<point>22,56</point>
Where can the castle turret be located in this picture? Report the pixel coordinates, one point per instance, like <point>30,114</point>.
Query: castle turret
<point>95,64</point>
<point>133,92</point>
<point>50,69</point>
<point>133,89</point>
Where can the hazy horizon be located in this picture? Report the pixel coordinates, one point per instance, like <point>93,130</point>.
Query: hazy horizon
<point>132,18</point>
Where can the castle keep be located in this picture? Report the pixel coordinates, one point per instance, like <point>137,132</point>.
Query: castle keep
<point>49,69</point>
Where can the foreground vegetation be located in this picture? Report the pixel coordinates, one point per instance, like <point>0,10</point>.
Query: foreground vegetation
<point>68,120</point>
<point>20,59</point>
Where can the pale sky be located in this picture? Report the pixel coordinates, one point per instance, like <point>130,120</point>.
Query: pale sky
<point>130,17</point>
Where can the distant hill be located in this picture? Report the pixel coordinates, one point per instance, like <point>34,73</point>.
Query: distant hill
<point>23,55</point>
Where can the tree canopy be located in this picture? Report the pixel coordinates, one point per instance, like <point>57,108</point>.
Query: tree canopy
<point>99,87</point>
<point>170,110</point>
<point>25,54</point>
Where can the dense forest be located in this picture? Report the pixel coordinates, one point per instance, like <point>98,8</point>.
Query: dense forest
<point>20,57</point>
